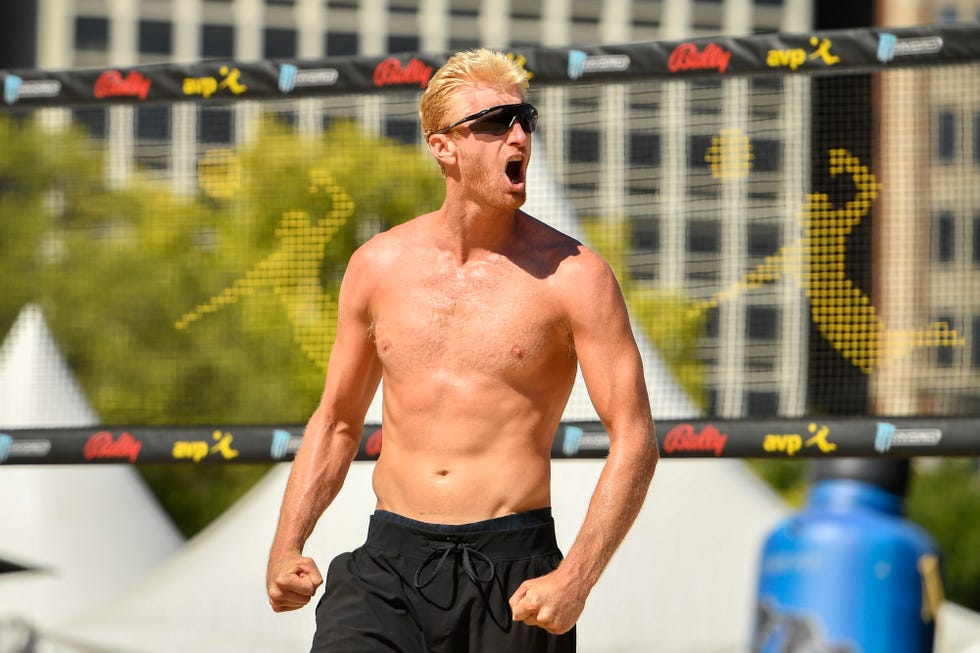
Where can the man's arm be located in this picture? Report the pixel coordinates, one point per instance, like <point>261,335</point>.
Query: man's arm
<point>330,443</point>
<point>613,374</point>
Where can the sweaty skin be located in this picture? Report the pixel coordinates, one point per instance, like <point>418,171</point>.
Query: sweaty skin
<point>476,316</point>
<point>474,383</point>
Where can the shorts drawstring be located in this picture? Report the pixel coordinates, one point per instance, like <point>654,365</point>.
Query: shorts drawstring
<point>465,552</point>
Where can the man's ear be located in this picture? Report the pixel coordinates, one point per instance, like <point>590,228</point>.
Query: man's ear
<point>443,148</point>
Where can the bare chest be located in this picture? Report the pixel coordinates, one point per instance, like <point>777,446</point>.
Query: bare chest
<point>496,322</point>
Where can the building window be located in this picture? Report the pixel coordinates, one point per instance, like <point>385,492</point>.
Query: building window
<point>944,353</point>
<point>711,400</point>
<point>697,148</point>
<point>975,349</point>
<point>946,137</point>
<point>762,322</point>
<point>341,44</point>
<point>583,145</point>
<point>944,232</point>
<point>404,131</point>
<point>644,149</point>
<point>762,404</point>
<point>976,138</point>
<point>766,155</point>
<point>711,324</point>
<point>763,239</point>
<point>287,117</point>
<point>403,43</point>
<point>216,126</point>
<point>92,119</point>
<point>217,41</point>
<point>155,37</point>
<point>153,122</point>
<point>91,33</point>
<point>645,234</point>
<point>279,43</point>
<point>458,44</point>
<point>704,236</point>
<point>976,239</point>
<point>947,14</point>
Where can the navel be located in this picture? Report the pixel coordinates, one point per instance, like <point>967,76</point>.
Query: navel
<point>442,472</point>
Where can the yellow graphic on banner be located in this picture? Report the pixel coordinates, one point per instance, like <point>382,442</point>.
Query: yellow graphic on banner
<point>293,272</point>
<point>819,439</point>
<point>842,312</point>
<point>730,155</point>
<point>197,450</point>
<point>795,57</point>
<point>790,443</point>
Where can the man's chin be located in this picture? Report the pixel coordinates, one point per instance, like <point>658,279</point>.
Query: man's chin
<point>517,197</point>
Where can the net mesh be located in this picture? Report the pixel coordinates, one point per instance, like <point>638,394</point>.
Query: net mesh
<point>788,245</point>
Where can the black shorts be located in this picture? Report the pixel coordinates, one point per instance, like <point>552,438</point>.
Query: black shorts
<point>414,587</point>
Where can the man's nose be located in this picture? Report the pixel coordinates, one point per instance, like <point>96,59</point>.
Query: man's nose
<point>516,135</point>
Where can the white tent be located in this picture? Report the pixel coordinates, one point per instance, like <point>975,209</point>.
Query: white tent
<point>83,532</point>
<point>682,581</point>
<point>36,387</point>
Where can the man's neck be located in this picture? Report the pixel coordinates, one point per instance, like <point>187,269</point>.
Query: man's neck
<point>467,230</point>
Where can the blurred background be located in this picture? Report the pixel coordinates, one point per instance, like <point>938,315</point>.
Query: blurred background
<point>71,280</point>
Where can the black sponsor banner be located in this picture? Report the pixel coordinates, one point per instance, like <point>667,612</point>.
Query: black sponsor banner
<point>782,439</point>
<point>814,52</point>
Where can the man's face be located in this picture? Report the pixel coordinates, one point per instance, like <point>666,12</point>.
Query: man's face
<point>492,155</point>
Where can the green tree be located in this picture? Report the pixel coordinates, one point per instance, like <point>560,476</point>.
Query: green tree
<point>945,500</point>
<point>115,269</point>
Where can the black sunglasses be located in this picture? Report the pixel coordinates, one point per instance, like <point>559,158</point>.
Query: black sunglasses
<point>499,119</point>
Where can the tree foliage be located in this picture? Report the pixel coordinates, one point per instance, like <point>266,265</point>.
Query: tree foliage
<point>114,267</point>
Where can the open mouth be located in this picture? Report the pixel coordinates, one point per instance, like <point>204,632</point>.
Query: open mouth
<point>515,170</point>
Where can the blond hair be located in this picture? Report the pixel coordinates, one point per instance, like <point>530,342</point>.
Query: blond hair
<point>467,69</point>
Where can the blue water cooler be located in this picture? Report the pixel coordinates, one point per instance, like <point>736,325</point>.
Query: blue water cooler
<point>848,573</point>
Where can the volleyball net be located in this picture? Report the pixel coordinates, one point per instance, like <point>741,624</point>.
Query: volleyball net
<point>794,220</point>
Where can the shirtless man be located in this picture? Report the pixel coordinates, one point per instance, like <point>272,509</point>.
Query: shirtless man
<point>475,316</point>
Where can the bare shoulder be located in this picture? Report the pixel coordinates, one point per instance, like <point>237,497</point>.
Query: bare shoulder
<point>574,266</point>
<point>387,249</point>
